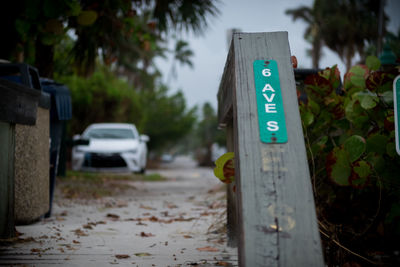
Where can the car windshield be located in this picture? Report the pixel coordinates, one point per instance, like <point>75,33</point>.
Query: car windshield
<point>110,133</point>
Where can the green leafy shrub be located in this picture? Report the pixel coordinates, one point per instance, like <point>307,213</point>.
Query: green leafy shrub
<point>349,133</point>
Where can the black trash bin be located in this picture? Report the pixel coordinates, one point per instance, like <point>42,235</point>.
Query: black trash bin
<point>60,111</point>
<point>20,101</point>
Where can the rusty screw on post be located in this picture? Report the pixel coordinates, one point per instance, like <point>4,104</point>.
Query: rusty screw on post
<point>273,138</point>
<point>294,61</point>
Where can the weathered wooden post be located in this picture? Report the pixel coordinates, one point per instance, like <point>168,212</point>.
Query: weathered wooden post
<point>276,219</point>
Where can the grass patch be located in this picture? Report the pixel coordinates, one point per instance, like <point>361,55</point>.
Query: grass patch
<point>98,176</point>
<point>155,177</point>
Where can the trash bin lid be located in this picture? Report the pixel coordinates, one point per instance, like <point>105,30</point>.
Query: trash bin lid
<point>62,98</point>
<point>20,73</point>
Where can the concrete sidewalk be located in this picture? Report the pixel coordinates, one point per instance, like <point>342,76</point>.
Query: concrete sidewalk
<point>178,222</point>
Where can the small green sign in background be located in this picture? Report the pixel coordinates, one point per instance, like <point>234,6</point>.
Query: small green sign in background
<point>396,97</point>
<point>271,115</point>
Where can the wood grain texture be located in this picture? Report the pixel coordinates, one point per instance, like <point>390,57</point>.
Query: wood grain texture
<point>276,212</point>
<point>225,91</point>
<point>231,196</point>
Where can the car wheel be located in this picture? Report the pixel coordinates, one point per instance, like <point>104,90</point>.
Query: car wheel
<point>142,171</point>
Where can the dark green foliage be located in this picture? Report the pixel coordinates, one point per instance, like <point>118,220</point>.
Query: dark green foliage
<point>207,133</point>
<point>351,151</point>
<point>124,33</point>
<point>165,118</point>
<point>344,26</point>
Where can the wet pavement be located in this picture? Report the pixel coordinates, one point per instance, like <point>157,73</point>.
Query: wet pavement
<point>177,222</point>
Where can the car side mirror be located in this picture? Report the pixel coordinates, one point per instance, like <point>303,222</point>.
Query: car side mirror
<point>81,142</point>
<point>144,138</point>
<point>77,140</point>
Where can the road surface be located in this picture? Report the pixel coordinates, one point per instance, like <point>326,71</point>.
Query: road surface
<point>177,222</point>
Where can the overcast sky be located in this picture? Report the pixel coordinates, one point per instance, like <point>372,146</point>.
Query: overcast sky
<point>200,84</point>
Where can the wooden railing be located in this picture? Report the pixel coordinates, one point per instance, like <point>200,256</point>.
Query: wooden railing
<point>271,216</point>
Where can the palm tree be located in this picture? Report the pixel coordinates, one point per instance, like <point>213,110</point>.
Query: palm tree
<point>344,26</point>
<point>349,25</point>
<point>119,27</point>
<point>313,32</point>
<point>184,14</point>
<point>182,55</point>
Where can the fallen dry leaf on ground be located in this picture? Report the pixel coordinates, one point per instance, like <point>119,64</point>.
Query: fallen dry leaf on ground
<point>208,249</point>
<point>112,216</point>
<point>188,236</point>
<point>87,226</point>
<point>146,207</point>
<point>122,256</point>
<point>170,205</point>
<point>181,219</point>
<point>116,203</point>
<point>64,213</point>
<point>78,232</point>
<point>216,205</point>
<point>207,213</point>
<point>143,234</point>
<point>142,254</point>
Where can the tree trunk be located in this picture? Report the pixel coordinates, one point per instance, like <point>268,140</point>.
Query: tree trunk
<point>316,52</point>
<point>349,57</point>
<point>44,59</point>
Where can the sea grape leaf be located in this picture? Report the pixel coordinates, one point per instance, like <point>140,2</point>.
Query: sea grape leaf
<point>357,75</point>
<point>323,140</point>
<point>358,70</point>
<point>341,169</point>
<point>391,149</point>
<point>307,118</point>
<point>373,63</point>
<point>368,101</point>
<point>376,161</point>
<point>314,107</point>
<point>362,169</point>
<point>358,81</point>
<point>360,121</point>
<point>377,143</point>
<point>388,97</point>
<point>355,146</point>
<point>360,175</point>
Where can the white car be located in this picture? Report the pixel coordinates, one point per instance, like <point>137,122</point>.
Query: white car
<point>116,147</point>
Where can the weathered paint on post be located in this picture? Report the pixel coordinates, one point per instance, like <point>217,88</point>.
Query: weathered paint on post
<point>276,217</point>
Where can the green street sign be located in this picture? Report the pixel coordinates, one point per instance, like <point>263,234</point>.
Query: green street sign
<point>271,115</point>
<point>396,97</point>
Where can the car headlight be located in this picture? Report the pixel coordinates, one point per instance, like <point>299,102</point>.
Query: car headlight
<point>133,151</point>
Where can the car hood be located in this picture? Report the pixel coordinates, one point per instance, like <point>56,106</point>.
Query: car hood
<point>110,145</point>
